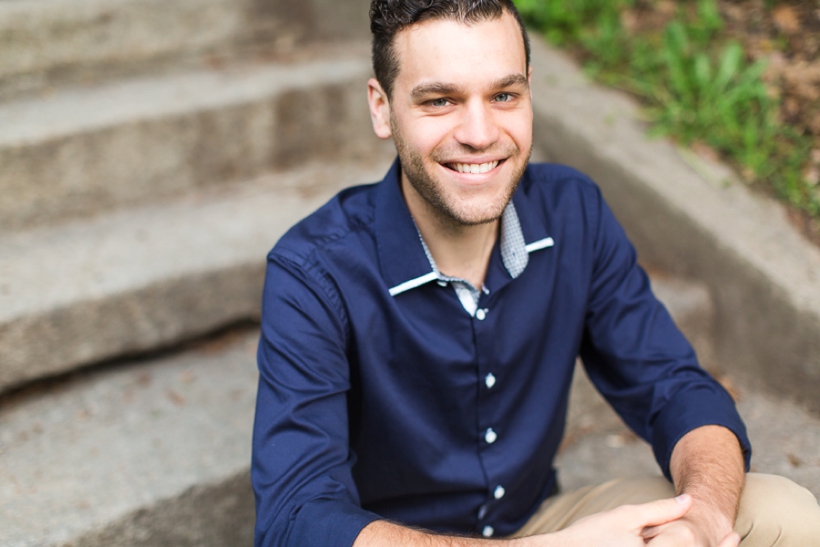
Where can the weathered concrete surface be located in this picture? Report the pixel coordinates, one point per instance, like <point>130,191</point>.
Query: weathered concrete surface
<point>145,278</point>
<point>688,218</point>
<point>149,453</point>
<point>598,446</point>
<point>48,42</point>
<point>209,515</point>
<point>83,151</point>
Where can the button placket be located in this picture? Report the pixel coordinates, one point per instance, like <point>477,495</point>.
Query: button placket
<point>482,326</point>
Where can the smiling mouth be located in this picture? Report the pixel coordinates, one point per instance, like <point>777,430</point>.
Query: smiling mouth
<point>473,168</point>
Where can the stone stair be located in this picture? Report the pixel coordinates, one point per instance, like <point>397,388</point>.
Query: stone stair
<point>83,151</point>
<point>134,211</point>
<point>152,153</point>
<point>48,43</point>
<point>146,277</point>
<point>152,452</point>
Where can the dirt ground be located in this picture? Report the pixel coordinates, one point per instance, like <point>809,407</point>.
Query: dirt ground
<point>788,37</point>
<point>786,33</point>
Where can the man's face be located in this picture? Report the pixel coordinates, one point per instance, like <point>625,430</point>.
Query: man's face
<point>461,116</point>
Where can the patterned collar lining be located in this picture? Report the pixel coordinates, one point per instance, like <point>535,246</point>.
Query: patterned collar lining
<point>514,255</point>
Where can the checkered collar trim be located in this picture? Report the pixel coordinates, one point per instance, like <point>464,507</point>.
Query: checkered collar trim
<point>514,254</point>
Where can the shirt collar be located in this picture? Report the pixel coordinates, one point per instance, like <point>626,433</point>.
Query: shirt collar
<point>401,256</point>
<point>513,249</point>
<point>404,263</point>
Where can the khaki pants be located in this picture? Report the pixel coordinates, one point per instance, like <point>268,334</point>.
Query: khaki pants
<point>774,511</point>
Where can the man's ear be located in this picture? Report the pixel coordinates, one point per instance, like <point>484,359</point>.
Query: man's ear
<point>379,109</point>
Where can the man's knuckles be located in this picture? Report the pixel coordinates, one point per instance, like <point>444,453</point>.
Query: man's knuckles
<point>656,513</point>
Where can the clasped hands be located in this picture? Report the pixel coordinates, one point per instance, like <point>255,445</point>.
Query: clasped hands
<point>662,523</point>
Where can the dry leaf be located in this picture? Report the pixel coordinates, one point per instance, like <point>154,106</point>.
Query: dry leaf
<point>786,19</point>
<point>176,398</point>
<point>812,175</point>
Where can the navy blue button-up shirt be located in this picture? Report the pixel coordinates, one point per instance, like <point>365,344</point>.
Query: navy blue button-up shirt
<point>380,396</point>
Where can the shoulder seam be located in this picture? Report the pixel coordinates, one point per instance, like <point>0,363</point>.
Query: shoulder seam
<point>314,272</point>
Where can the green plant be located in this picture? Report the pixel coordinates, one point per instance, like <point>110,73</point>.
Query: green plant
<point>696,84</point>
<point>563,21</point>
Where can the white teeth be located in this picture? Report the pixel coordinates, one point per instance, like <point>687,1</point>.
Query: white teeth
<point>475,167</point>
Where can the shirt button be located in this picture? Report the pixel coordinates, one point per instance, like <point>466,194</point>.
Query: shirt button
<point>499,492</point>
<point>482,511</point>
<point>487,532</point>
<point>480,314</point>
<point>490,436</point>
<point>489,380</point>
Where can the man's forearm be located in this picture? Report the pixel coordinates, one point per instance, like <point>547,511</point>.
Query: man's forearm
<point>620,527</point>
<point>707,463</point>
<point>385,534</point>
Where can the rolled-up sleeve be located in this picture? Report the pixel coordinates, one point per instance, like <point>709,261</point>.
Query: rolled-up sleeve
<point>637,357</point>
<point>301,464</point>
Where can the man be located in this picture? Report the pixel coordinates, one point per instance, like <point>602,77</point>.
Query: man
<point>419,335</point>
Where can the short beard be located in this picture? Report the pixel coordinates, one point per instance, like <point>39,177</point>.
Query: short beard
<point>412,166</point>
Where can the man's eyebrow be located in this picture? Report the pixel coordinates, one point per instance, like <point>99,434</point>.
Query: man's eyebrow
<point>511,81</point>
<point>440,88</point>
<point>434,88</point>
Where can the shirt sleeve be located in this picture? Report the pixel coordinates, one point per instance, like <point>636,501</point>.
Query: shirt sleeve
<point>301,463</point>
<point>637,357</point>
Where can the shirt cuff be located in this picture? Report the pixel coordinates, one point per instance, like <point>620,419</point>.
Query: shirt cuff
<point>329,523</point>
<point>688,410</point>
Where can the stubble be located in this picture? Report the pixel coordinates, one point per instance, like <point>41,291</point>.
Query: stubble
<point>431,190</point>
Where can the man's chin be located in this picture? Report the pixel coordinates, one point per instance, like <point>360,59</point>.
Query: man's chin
<point>476,216</point>
<point>462,199</point>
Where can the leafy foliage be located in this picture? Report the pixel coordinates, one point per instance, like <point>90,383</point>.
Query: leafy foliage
<point>698,86</point>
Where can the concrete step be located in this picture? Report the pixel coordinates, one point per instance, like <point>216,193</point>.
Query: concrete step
<point>135,280</point>
<point>156,452</point>
<point>598,446</point>
<point>53,42</point>
<point>145,453</point>
<point>692,217</point>
<point>87,150</point>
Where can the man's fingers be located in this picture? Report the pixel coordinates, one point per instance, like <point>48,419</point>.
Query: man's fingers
<point>651,531</point>
<point>660,512</point>
<point>732,540</point>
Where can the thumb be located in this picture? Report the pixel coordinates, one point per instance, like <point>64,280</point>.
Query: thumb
<point>660,512</point>
<point>732,540</point>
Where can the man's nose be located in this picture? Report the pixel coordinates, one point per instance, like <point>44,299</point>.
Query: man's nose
<point>478,128</point>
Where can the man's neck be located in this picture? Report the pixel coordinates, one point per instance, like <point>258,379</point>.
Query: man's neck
<point>459,251</point>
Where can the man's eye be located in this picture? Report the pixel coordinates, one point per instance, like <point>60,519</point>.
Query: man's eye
<point>503,97</point>
<point>439,102</point>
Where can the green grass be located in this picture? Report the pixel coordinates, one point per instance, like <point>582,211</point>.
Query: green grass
<point>697,85</point>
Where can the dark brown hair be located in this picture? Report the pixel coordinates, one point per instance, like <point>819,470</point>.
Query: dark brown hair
<point>388,17</point>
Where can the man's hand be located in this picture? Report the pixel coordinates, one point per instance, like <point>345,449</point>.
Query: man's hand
<point>685,533</point>
<point>707,464</point>
<point>620,527</point>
